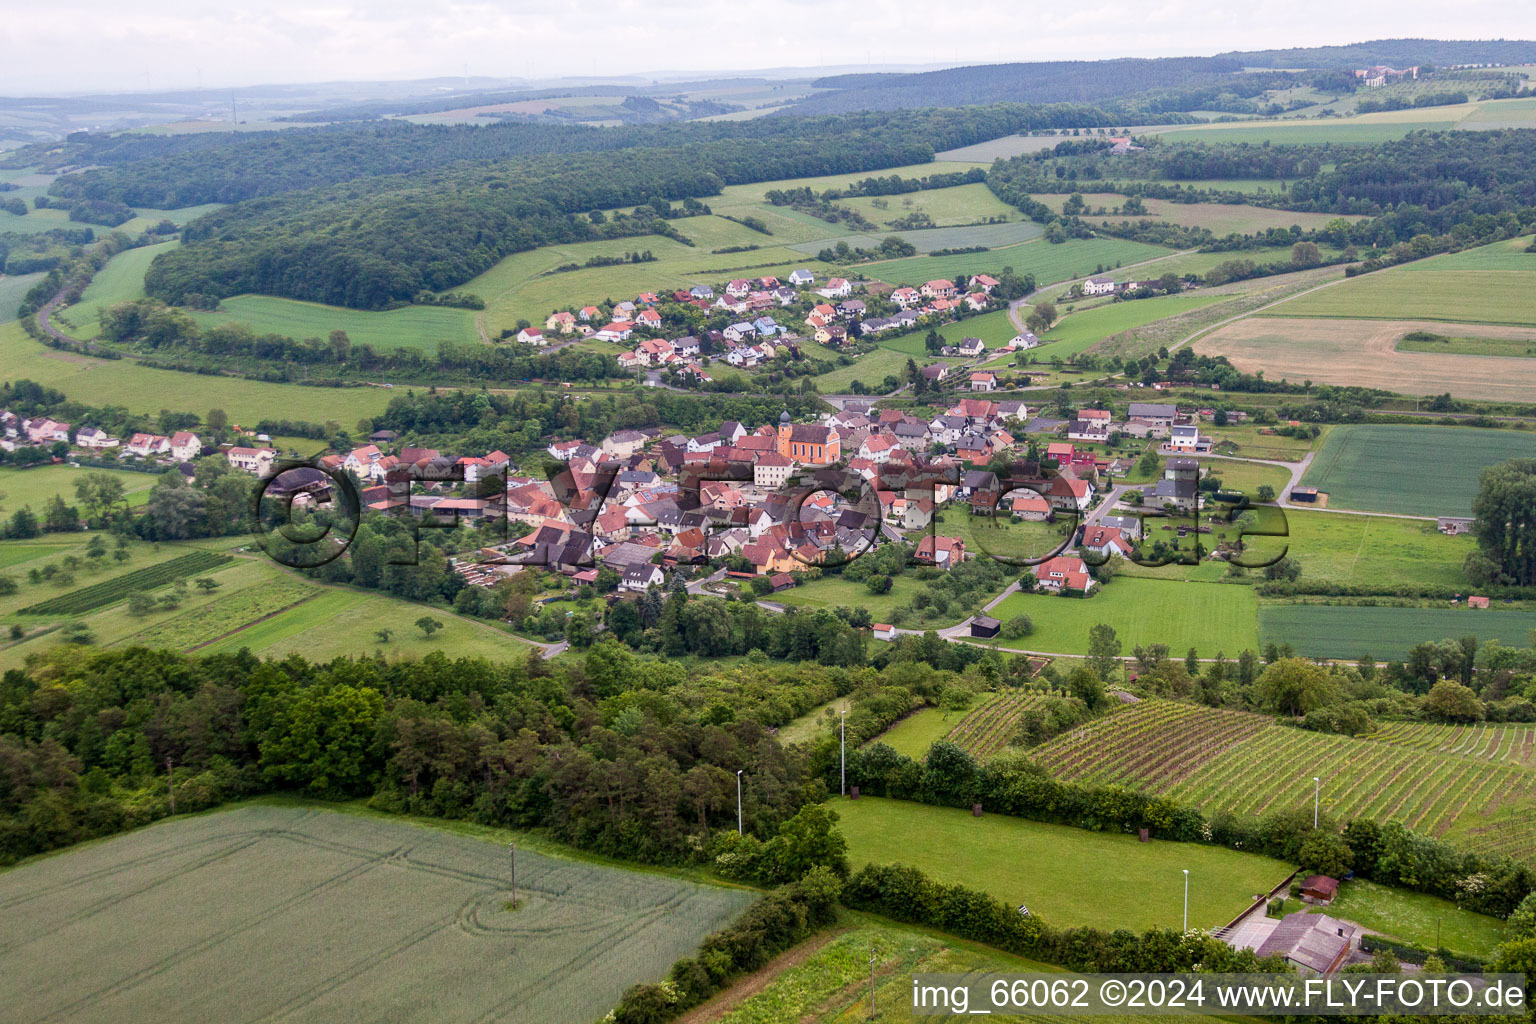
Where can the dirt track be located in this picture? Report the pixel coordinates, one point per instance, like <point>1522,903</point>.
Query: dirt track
<point>1364,353</point>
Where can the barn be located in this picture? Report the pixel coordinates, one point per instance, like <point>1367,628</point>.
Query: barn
<point>984,628</point>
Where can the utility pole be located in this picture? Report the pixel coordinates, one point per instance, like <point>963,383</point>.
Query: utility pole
<point>1186,899</point>
<point>1317,797</point>
<point>843,783</point>
<point>740,830</point>
<point>170,782</point>
<point>512,861</point>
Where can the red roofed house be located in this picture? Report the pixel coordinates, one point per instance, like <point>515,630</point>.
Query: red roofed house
<point>1064,571</point>
<point>941,551</point>
<point>938,289</point>
<point>532,336</point>
<point>905,297</point>
<point>1106,541</point>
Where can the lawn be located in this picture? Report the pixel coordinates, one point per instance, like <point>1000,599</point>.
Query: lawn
<point>835,592</point>
<point>1245,441</point>
<point>416,326</point>
<point>1209,616</point>
<point>870,369</point>
<point>920,730</point>
<point>1327,631</point>
<point>35,485</point>
<point>1014,541</point>
<point>995,329</point>
<point>142,389</point>
<point>1070,877</point>
<point>1427,922</point>
<point>961,204</point>
<point>268,911</point>
<point>1079,331</point>
<point>1377,468</point>
<point>1079,257</point>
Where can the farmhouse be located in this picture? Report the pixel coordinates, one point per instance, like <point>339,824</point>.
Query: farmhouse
<point>1153,413</point>
<point>1099,286</point>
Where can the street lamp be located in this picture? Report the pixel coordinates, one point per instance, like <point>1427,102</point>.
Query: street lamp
<point>1186,899</point>
<point>512,860</point>
<point>739,829</point>
<point>843,740</point>
<point>1317,796</point>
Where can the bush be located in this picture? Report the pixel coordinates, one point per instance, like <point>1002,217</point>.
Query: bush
<point>1018,626</point>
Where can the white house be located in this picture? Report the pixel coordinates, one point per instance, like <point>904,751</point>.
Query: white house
<point>802,277</point>
<point>641,577</point>
<point>147,445</point>
<point>1099,286</point>
<point>94,437</point>
<point>255,461</point>
<point>185,445</point>
<point>532,336</point>
<point>983,380</point>
<point>837,288</point>
<point>972,347</point>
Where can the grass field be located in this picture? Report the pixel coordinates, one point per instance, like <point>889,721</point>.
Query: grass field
<point>1077,332</point>
<point>35,485</point>
<point>1219,218</point>
<point>282,911</point>
<point>834,592</point>
<point>1522,348</point>
<point>1247,764</point>
<point>142,389</point>
<point>1303,133</point>
<point>1365,352</point>
<point>1068,876</point>
<point>1327,631</point>
<point>961,204</point>
<point>1419,920</point>
<point>926,240</point>
<point>1375,550</point>
<point>1079,257</point>
<point>12,290</point>
<point>920,730</point>
<point>1208,616</point>
<point>121,280</point>
<point>1377,468</point>
<point>418,326</point>
<point>1488,285</point>
<point>871,369</point>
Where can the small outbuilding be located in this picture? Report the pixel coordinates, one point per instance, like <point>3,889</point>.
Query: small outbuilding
<point>1320,889</point>
<point>984,628</point>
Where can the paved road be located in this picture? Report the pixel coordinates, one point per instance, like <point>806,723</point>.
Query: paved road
<point>1017,304</point>
<point>696,588</point>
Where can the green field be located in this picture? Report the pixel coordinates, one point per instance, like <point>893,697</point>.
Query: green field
<point>961,204</point>
<point>121,280</point>
<point>418,326</point>
<point>1209,616</point>
<point>1409,470</point>
<point>1068,876</point>
<point>1326,631</point>
<point>1520,348</point>
<point>1375,551</point>
<point>35,485</point>
<point>1419,920</point>
<point>1221,760</point>
<point>12,290</point>
<point>927,240</point>
<point>1219,218</point>
<point>1305,133</point>
<point>1079,257</point>
<point>995,329</point>
<point>288,911</point>
<point>1079,331</point>
<point>141,389</point>
<point>1434,289</point>
<point>1490,741</point>
<point>870,369</point>
<point>913,735</point>
<point>1509,254</point>
<point>835,592</point>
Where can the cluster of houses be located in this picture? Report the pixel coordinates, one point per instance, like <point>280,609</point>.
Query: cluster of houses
<point>1380,74</point>
<point>177,448</point>
<point>1180,435</point>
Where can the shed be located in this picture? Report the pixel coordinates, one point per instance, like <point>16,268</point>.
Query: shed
<point>781,581</point>
<point>1320,889</point>
<point>1476,601</point>
<point>984,627</point>
<point>1304,494</point>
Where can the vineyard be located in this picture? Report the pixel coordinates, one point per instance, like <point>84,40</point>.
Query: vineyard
<point>1244,763</point>
<point>1512,744</point>
<point>224,616</point>
<point>991,725</point>
<point>98,595</point>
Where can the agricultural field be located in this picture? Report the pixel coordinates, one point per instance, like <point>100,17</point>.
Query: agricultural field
<point>1375,551</point>
<point>1327,631</point>
<point>1520,348</point>
<point>1365,128</point>
<point>225,615</point>
<point>1077,332</point>
<point>1002,148</point>
<point>417,326</point>
<point>142,389</point>
<point>1376,468</point>
<point>1248,764</point>
<point>1513,743</point>
<point>926,240</point>
<point>1245,441</point>
<point>1366,353</point>
<point>1068,876</point>
<point>1219,218</point>
<point>326,916</point>
<point>35,485</point>
<point>12,290</point>
<point>112,591</point>
<point>990,725</point>
<point>1078,257</point>
<point>1427,922</point>
<point>960,205</point>
<point>1209,616</point>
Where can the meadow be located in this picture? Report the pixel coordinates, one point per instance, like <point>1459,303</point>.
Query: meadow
<point>914,734</point>
<point>1078,257</point>
<point>1209,616</point>
<point>417,326</point>
<point>1522,348</point>
<point>1328,631</point>
<point>1303,133</point>
<point>35,485</point>
<point>1427,922</point>
<point>1219,218</point>
<point>926,240</point>
<point>1243,763</point>
<point>146,390</point>
<point>121,280</point>
<point>325,916</point>
<point>12,290</point>
<point>1070,877</point>
<point>1482,288</point>
<point>836,592</point>
<point>1375,551</point>
<point>1409,470</point>
<point>1077,332</point>
<point>961,204</point>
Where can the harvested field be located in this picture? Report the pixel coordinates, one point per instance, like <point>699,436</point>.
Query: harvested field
<point>1364,352</point>
<point>272,912</point>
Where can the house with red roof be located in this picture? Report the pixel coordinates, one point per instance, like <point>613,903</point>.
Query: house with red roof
<point>1064,572</point>
<point>940,551</point>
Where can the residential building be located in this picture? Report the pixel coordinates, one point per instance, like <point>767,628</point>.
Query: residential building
<point>1154,413</point>
<point>984,380</point>
<point>185,445</point>
<point>1064,572</point>
<point>938,289</point>
<point>940,551</point>
<point>256,461</point>
<point>95,438</point>
<point>1099,286</point>
<point>532,336</point>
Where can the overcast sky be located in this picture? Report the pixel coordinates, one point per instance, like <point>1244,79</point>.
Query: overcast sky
<point>87,45</point>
